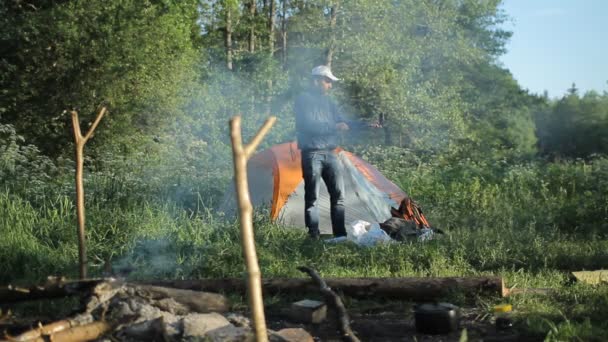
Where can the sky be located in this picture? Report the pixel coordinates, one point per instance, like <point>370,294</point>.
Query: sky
<point>556,43</point>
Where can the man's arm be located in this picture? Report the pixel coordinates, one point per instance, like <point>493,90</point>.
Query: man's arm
<point>346,124</point>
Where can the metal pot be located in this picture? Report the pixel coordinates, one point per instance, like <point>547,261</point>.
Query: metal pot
<point>436,318</point>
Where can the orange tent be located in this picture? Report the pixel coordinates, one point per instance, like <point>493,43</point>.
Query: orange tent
<point>276,183</point>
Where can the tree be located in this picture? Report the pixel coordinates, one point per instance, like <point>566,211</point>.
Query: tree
<point>574,126</point>
<point>133,56</point>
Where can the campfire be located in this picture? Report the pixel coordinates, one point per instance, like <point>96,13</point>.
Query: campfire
<point>123,311</point>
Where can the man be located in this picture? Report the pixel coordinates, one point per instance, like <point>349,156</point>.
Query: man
<point>317,126</point>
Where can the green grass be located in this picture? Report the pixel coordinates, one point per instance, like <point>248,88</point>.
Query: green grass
<point>531,224</point>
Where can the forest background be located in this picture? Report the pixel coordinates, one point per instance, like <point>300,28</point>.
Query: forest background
<point>519,180</point>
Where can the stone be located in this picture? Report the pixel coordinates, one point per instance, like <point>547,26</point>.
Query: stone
<point>172,325</point>
<point>230,333</point>
<point>148,330</point>
<point>308,311</point>
<point>238,320</point>
<point>171,306</point>
<point>198,325</point>
<point>291,335</point>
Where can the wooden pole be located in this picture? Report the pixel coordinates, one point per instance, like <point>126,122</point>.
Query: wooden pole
<point>80,142</point>
<point>240,155</point>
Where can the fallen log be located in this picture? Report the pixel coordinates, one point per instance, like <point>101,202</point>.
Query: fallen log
<point>197,301</point>
<point>56,289</point>
<point>417,288</point>
<point>413,288</point>
<point>98,291</point>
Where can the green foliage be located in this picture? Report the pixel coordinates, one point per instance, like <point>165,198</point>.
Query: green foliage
<point>22,168</point>
<point>530,223</point>
<point>460,136</point>
<point>574,126</point>
<point>133,56</point>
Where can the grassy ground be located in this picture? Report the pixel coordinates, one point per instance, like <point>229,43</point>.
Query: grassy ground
<point>532,224</point>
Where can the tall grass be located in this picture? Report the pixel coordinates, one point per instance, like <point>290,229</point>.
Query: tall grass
<point>531,223</point>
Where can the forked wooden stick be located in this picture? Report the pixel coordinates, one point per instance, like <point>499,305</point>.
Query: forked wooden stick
<point>80,142</point>
<point>335,302</point>
<point>240,155</point>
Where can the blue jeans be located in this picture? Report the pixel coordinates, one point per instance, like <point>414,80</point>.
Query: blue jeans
<point>317,164</point>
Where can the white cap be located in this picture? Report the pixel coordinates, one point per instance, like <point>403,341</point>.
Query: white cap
<point>324,70</point>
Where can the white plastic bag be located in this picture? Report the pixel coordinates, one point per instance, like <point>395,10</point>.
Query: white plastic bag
<point>375,235</point>
<point>356,230</point>
<point>366,234</point>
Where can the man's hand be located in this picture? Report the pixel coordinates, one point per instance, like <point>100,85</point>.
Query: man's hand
<point>342,126</point>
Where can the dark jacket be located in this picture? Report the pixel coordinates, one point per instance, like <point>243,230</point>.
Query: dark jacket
<point>316,119</point>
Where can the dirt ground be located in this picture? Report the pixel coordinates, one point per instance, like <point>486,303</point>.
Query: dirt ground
<point>386,322</point>
<point>392,325</point>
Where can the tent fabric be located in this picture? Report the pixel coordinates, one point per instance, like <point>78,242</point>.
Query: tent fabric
<point>276,183</point>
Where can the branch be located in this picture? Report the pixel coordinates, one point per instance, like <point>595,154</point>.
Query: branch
<point>95,123</point>
<point>240,156</point>
<point>250,148</point>
<point>76,126</point>
<point>335,302</point>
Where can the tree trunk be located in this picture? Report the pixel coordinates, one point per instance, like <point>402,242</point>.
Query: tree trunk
<point>388,139</point>
<point>271,23</point>
<point>398,288</point>
<point>252,13</point>
<point>228,37</point>
<point>271,4</point>
<point>284,35</point>
<point>332,27</point>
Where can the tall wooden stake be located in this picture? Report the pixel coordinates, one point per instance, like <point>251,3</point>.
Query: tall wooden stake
<point>80,141</point>
<point>240,156</point>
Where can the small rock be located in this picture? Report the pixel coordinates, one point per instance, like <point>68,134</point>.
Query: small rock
<point>291,335</point>
<point>308,311</point>
<point>172,325</point>
<point>238,320</point>
<point>230,333</point>
<point>198,325</point>
<point>149,330</point>
<point>171,306</point>
<point>120,310</point>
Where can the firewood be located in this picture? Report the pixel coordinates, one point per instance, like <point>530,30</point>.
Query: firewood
<point>81,333</point>
<point>197,301</point>
<point>47,329</point>
<point>64,330</point>
<point>59,289</point>
<point>416,288</point>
